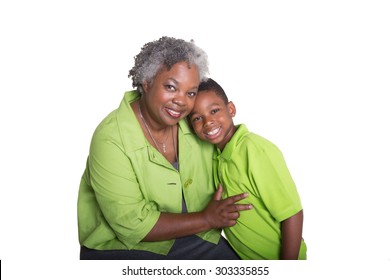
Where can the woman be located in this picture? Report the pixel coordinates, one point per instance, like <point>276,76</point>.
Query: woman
<point>147,191</point>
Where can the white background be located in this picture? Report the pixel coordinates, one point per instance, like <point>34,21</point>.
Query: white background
<point>311,76</point>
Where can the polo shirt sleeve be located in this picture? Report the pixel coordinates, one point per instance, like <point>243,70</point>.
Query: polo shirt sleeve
<point>273,180</point>
<point>117,191</point>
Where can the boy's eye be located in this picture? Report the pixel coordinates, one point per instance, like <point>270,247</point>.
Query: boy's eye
<point>195,119</point>
<point>214,111</point>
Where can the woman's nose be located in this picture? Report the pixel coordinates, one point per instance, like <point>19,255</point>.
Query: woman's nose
<point>179,99</point>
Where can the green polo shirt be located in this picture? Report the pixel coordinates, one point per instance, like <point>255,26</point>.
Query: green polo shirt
<point>127,183</point>
<point>250,163</point>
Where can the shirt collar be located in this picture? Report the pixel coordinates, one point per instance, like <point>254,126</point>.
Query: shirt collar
<point>227,152</point>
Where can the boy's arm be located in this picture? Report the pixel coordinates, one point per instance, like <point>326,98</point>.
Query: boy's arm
<point>291,236</point>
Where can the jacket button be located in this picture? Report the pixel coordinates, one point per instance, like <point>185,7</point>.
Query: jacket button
<point>188,183</point>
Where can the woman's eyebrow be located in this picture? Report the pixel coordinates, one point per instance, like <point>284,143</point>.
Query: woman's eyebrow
<point>176,82</point>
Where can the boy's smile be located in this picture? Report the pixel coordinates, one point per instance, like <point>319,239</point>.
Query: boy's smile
<point>214,133</point>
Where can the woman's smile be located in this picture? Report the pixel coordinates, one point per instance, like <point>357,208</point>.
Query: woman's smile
<point>174,113</point>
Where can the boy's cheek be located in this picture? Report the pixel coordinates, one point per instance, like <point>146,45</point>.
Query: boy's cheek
<point>197,130</point>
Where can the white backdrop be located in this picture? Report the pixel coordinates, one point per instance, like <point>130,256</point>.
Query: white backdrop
<point>311,76</point>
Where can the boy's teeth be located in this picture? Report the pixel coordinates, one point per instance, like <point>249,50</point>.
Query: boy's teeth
<point>213,132</point>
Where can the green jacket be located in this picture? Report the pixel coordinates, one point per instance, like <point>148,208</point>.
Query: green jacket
<point>127,183</point>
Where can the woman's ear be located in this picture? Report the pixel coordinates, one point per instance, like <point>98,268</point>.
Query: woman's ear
<point>145,86</point>
<point>232,109</point>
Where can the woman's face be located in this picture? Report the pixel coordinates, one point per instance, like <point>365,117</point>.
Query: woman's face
<point>171,96</point>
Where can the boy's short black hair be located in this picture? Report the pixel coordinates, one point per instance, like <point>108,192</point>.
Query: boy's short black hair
<point>211,85</point>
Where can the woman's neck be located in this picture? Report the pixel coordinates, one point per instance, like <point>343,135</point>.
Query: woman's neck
<point>163,139</point>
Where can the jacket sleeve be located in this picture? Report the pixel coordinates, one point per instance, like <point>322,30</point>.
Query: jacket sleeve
<point>117,191</point>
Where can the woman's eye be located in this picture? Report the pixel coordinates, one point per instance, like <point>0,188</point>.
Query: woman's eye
<point>192,94</point>
<point>170,87</point>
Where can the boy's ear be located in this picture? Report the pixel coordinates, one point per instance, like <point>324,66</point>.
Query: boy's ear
<point>231,108</point>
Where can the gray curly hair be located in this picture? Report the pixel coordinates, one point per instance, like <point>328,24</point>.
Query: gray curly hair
<point>165,52</point>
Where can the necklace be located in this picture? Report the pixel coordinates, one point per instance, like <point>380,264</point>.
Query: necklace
<point>163,143</point>
<point>150,133</point>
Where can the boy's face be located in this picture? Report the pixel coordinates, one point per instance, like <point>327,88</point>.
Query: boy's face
<point>212,119</point>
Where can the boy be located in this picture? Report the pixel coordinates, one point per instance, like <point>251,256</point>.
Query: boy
<point>246,162</point>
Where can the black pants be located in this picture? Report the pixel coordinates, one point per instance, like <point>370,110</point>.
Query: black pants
<point>185,248</point>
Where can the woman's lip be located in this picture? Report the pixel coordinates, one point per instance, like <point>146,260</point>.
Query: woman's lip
<point>173,113</point>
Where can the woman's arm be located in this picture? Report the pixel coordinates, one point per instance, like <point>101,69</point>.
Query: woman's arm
<point>292,236</point>
<point>219,213</point>
<point>117,201</point>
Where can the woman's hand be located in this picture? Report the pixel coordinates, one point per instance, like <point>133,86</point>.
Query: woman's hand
<point>222,213</point>
<point>218,214</point>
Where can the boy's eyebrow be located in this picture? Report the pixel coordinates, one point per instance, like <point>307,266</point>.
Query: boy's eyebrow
<point>191,114</point>
<point>210,105</point>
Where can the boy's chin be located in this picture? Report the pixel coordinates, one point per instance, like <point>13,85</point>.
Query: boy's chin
<point>208,140</point>
<point>214,142</point>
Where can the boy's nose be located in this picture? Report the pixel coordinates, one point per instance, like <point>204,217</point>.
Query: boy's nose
<point>208,122</point>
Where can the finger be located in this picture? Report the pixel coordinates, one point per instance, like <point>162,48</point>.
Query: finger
<point>235,198</point>
<point>231,223</point>
<point>242,207</point>
<point>234,215</point>
<point>235,208</point>
<point>218,193</point>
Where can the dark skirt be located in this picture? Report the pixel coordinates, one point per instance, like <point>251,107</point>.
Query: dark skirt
<point>185,248</point>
